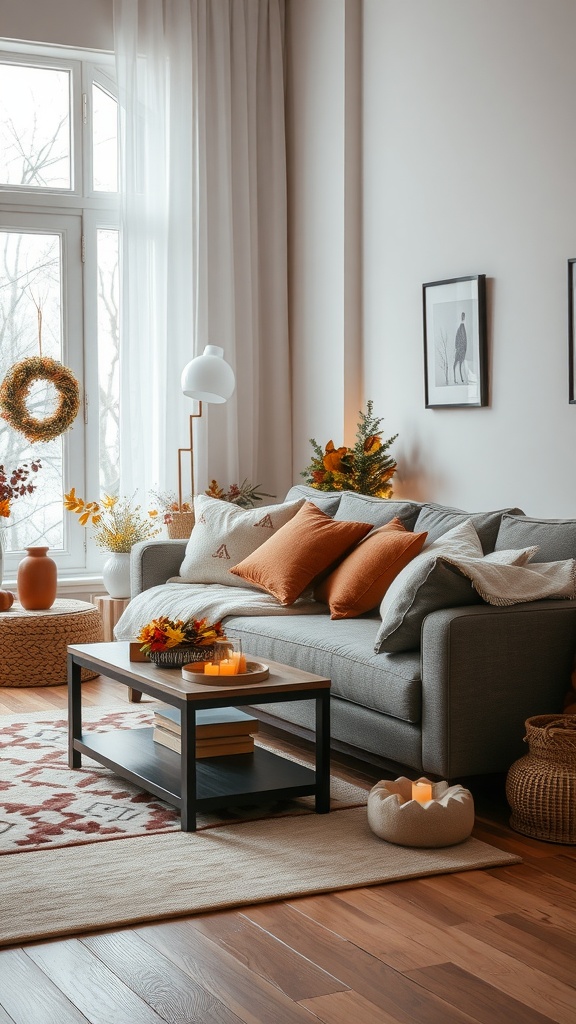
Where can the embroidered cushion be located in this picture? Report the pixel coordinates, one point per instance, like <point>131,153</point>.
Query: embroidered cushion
<point>225,534</point>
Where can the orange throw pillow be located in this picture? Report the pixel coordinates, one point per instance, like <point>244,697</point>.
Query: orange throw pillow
<point>300,551</point>
<point>359,583</point>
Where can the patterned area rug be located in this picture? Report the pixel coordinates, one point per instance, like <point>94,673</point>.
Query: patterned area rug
<point>45,805</point>
<point>64,825</point>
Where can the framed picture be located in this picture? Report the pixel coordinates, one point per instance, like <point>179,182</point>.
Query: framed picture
<point>571,331</point>
<point>455,352</point>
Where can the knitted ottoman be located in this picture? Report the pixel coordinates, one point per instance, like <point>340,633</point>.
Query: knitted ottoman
<point>33,644</point>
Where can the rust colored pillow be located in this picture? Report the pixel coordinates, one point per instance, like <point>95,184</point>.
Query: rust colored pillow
<point>299,552</point>
<point>359,583</point>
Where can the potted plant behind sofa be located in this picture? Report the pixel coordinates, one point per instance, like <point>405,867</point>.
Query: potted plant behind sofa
<point>366,468</point>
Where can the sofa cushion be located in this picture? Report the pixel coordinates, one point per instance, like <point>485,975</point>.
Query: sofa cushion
<point>328,501</point>
<point>224,534</point>
<point>340,650</point>
<point>555,538</point>
<point>363,508</point>
<point>309,545</point>
<point>360,581</point>
<point>424,586</point>
<point>438,519</point>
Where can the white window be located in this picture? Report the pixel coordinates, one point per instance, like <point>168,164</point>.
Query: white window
<point>59,282</point>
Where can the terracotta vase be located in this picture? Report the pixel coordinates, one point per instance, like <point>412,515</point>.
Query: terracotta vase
<point>37,580</point>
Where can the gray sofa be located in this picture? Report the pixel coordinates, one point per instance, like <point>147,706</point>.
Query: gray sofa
<point>451,708</point>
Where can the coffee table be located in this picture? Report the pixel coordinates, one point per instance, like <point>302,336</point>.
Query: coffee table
<point>180,779</point>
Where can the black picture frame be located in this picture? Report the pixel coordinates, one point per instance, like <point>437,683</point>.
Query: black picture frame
<point>455,344</point>
<point>572,331</point>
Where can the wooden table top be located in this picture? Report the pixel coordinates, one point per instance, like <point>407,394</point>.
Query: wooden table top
<point>116,655</point>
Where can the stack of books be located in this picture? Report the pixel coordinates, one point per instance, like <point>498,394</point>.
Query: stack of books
<point>220,732</point>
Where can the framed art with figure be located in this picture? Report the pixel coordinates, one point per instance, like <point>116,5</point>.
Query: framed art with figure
<point>455,347</point>
<point>572,332</point>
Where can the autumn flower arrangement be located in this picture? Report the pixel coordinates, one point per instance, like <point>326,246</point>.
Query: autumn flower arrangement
<point>245,494</point>
<point>16,484</point>
<point>366,468</point>
<point>162,633</point>
<point>119,524</point>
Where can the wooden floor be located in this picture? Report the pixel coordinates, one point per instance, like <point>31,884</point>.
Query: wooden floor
<point>490,946</point>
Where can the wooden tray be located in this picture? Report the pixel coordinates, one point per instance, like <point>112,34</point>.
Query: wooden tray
<point>255,672</point>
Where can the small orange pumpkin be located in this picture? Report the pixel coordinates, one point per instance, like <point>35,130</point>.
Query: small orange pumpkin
<point>6,600</point>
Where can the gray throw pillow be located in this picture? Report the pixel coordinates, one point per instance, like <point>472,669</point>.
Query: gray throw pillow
<point>555,538</point>
<point>424,586</point>
<point>328,501</point>
<point>438,519</point>
<point>363,508</point>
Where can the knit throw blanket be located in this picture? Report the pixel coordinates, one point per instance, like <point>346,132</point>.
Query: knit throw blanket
<point>200,600</point>
<point>502,584</point>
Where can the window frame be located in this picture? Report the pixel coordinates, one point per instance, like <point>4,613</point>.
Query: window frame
<point>92,210</point>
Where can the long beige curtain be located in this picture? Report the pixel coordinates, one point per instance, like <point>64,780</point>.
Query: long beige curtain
<point>205,261</point>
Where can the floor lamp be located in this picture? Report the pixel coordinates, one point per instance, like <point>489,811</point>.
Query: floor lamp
<point>206,378</point>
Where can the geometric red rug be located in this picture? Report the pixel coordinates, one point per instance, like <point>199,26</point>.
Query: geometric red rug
<point>45,805</point>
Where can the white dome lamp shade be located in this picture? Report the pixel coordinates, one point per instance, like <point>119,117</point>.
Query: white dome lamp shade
<point>206,378</point>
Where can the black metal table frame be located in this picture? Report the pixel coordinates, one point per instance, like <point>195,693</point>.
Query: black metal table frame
<point>187,799</point>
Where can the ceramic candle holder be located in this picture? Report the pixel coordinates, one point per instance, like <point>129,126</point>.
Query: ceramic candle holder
<point>446,819</point>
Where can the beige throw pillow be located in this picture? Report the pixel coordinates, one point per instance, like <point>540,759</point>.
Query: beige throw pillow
<point>225,534</point>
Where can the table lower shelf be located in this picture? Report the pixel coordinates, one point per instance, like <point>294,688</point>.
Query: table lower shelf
<point>233,781</point>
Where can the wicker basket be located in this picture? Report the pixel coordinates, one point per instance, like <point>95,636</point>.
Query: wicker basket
<point>175,657</point>
<point>541,786</point>
<point>181,526</point>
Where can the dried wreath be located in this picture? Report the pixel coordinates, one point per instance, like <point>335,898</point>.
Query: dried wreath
<point>14,390</point>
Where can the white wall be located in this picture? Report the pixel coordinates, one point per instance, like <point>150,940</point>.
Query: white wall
<point>324,222</point>
<point>86,23</point>
<point>468,167</point>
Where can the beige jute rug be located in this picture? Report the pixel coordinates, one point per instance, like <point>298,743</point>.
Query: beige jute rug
<point>107,884</point>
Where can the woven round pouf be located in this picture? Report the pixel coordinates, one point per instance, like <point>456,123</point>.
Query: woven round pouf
<point>33,644</point>
<point>541,786</point>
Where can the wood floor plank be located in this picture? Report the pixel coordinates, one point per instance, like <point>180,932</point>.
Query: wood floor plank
<point>544,952</point>
<point>93,989</point>
<point>476,995</point>
<point>4,1018</point>
<point>538,884</point>
<point>267,957</point>
<point>173,994</point>
<point>27,994</point>
<point>393,993</point>
<point>345,1007</point>
<point>455,945</point>
<point>251,998</point>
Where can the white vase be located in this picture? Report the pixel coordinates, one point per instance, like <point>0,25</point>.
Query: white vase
<point>2,547</point>
<point>116,574</point>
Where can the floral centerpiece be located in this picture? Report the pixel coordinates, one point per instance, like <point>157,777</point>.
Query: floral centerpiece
<point>174,642</point>
<point>119,524</point>
<point>366,468</point>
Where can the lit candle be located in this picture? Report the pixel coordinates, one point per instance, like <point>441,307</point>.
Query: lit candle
<point>422,792</point>
<point>239,660</point>
<point>210,669</point>
<point>228,667</point>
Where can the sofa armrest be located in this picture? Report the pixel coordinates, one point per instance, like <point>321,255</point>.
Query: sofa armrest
<point>152,562</point>
<point>485,670</point>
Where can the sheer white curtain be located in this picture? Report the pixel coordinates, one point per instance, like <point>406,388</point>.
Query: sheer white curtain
<point>204,236</point>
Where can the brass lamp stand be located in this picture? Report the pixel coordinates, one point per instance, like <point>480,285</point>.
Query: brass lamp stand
<point>190,450</point>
